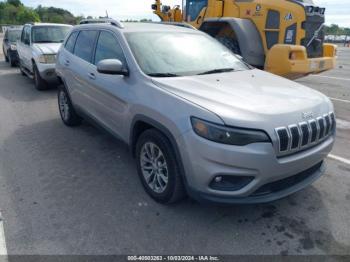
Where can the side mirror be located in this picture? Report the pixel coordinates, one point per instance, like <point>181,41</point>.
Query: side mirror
<point>6,40</point>
<point>26,42</point>
<point>112,67</point>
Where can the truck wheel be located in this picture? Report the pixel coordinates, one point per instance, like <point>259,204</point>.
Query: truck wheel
<point>12,63</point>
<point>230,43</point>
<point>6,58</point>
<point>21,68</point>
<point>158,168</point>
<point>40,84</point>
<point>67,111</point>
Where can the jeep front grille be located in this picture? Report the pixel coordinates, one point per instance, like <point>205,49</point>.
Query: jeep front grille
<point>300,136</point>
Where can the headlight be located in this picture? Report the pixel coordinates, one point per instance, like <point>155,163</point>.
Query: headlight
<point>228,135</point>
<point>47,59</point>
<point>13,47</point>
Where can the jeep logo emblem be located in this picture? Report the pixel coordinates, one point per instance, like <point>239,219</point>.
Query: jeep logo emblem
<point>307,115</point>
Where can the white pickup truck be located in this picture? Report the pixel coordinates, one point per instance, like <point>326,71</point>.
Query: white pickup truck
<point>37,51</point>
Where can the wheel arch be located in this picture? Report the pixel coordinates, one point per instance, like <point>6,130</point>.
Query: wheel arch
<point>248,37</point>
<point>142,123</point>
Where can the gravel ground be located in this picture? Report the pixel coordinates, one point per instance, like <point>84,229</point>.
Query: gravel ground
<point>70,191</point>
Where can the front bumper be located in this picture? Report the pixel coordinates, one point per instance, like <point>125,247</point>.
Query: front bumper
<point>279,62</point>
<point>48,72</point>
<point>205,160</point>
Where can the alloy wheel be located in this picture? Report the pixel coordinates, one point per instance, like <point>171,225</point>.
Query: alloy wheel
<point>64,106</point>
<point>154,167</point>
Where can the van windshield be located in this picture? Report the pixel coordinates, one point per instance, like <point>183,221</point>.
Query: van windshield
<point>50,34</point>
<point>181,54</point>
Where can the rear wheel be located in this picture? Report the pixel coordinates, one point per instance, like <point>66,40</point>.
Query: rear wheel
<point>67,111</point>
<point>40,84</point>
<point>230,43</point>
<point>158,168</point>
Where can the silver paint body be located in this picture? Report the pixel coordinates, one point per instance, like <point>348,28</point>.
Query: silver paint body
<point>248,99</point>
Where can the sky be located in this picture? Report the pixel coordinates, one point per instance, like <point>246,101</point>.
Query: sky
<point>338,11</point>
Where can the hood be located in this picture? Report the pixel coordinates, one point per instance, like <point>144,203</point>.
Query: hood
<point>48,48</point>
<point>251,98</point>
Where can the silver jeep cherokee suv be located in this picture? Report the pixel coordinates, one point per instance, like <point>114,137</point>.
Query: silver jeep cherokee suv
<point>197,119</point>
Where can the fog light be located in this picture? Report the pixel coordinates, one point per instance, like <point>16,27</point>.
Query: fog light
<point>230,182</point>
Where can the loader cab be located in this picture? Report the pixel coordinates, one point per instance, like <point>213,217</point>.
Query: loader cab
<point>192,9</point>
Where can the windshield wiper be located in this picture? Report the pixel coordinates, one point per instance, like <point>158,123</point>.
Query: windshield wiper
<point>163,75</point>
<point>46,42</point>
<point>216,71</point>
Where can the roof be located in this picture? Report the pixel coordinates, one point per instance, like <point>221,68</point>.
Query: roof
<point>18,28</point>
<point>142,27</point>
<point>47,24</point>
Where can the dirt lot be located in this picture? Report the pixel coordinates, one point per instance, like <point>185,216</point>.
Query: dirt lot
<point>76,191</point>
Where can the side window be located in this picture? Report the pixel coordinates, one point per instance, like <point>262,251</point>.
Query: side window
<point>108,48</point>
<point>84,47</point>
<point>23,34</point>
<point>27,35</point>
<point>71,42</point>
<point>194,7</point>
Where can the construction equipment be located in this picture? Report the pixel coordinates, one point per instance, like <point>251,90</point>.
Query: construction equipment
<point>284,37</point>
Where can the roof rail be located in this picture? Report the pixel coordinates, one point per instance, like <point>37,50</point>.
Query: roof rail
<point>102,21</point>
<point>175,24</point>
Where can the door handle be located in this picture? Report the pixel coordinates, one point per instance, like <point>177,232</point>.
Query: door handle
<point>66,62</point>
<point>92,76</point>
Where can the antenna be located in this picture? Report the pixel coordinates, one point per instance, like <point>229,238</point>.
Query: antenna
<point>107,14</point>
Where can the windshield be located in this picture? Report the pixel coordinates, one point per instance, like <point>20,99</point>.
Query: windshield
<point>180,54</point>
<point>14,35</point>
<point>50,34</point>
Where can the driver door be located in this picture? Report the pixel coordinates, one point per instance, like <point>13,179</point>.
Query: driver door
<point>109,93</point>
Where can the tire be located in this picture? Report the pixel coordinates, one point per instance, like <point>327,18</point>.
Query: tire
<point>21,69</point>
<point>12,63</point>
<point>6,57</point>
<point>230,43</point>
<point>40,84</point>
<point>165,191</point>
<point>67,112</point>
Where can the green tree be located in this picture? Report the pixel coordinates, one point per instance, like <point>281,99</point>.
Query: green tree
<point>15,3</point>
<point>26,15</point>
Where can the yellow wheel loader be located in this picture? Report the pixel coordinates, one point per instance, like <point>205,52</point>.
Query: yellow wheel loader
<point>284,37</point>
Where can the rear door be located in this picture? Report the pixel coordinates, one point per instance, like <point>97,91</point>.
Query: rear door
<point>5,43</point>
<point>65,61</point>
<point>25,49</point>
<point>80,68</point>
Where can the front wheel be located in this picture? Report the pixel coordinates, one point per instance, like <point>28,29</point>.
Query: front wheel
<point>21,68</point>
<point>158,168</point>
<point>40,84</point>
<point>12,63</point>
<point>6,57</point>
<point>67,111</point>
